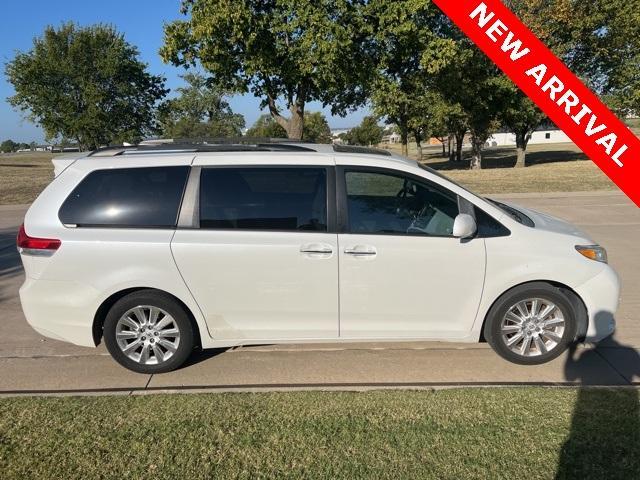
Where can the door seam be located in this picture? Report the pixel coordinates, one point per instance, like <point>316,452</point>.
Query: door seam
<point>175,262</point>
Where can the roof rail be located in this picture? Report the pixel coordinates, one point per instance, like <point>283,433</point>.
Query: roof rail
<point>234,141</point>
<point>175,146</point>
<point>357,149</point>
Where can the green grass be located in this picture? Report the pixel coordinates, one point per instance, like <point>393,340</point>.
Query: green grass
<point>526,433</point>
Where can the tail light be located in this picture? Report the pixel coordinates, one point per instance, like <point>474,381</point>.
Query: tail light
<point>36,246</point>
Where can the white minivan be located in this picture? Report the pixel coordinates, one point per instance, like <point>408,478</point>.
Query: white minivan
<point>162,249</point>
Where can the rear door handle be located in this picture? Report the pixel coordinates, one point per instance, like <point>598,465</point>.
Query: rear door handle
<point>361,250</point>
<point>317,248</point>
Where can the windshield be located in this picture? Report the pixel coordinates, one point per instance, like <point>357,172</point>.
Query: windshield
<point>516,215</point>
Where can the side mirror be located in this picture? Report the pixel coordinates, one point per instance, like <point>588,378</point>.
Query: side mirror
<point>464,226</point>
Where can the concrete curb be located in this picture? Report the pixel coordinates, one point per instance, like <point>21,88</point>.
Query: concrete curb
<point>328,387</point>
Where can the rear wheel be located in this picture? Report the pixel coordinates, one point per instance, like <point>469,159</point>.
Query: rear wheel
<point>148,332</point>
<point>531,324</point>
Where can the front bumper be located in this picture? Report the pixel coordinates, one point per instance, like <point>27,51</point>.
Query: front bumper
<point>601,296</point>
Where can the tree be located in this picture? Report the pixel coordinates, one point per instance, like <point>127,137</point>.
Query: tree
<point>409,52</point>
<point>85,83</point>
<point>316,128</point>
<point>599,40</point>
<point>285,52</point>
<point>266,127</point>
<point>8,146</point>
<point>476,90</point>
<point>200,111</point>
<point>521,116</point>
<point>367,133</point>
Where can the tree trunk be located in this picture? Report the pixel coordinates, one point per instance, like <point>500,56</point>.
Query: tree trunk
<point>452,154</point>
<point>476,158</point>
<point>459,148</point>
<point>294,125</point>
<point>521,149</point>
<point>296,122</point>
<point>459,142</point>
<point>404,141</point>
<point>444,151</point>
<point>416,135</point>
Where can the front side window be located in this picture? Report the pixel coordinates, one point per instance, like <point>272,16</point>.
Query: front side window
<point>393,204</point>
<point>259,198</point>
<point>126,197</point>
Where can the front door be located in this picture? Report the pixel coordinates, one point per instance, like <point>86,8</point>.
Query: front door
<point>402,273</point>
<point>262,265</point>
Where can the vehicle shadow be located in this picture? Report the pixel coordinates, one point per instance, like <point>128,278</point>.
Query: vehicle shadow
<point>200,355</point>
<point>505,157</point>
<point>604,440</point>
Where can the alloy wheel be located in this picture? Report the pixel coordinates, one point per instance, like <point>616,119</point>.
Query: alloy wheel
<point>147,335</point>
<point>533,327</point>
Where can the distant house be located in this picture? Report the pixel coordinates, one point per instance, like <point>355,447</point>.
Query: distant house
<point>540,136</point>
<point>336,134</point>
<point>391,138</point>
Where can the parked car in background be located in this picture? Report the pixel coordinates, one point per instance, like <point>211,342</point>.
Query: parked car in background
<point>157,250</point>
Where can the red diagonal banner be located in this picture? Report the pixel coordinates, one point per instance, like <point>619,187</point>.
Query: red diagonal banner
<point>552,86</point>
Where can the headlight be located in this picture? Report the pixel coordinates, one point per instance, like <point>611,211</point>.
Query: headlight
<point>593,252</point>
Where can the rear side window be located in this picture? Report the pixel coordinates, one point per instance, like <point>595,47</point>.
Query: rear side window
<point>127,197</point>
<point>278,198</point>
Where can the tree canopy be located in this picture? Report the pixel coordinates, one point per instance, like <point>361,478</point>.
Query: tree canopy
<point>200,111</point>
<point>285,52</point>
<point>9,146</point>
<point>316,128</point>
<point>87,84</point>
<point>266,127</point>
<point>410,51</point>
<point>367,133</point>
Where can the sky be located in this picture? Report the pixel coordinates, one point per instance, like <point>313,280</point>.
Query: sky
<point>140,21</point>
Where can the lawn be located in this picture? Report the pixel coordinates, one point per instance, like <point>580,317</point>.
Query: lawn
<point>23,176</point>
<point>553,168</point>
<point>510,433</point>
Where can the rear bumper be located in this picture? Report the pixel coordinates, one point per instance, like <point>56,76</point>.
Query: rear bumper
<point>59,310</point>
<point>601,296</point>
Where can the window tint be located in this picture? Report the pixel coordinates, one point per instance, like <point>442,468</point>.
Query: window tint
<point>127,197</point>
<point>488,226</point>
<point>385,203</point>
<point>264,198</point>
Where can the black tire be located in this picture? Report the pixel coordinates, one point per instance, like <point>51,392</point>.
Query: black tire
<point>541,290</point>
<point>159,300</point>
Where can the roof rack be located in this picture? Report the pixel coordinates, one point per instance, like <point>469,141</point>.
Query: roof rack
<point>231,144</point>
<point>241,144</point>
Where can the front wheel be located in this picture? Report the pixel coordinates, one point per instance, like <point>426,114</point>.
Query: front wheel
<point>531,324</point>
<point>148,332</point>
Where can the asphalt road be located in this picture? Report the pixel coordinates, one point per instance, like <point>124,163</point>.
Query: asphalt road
<point>30,363</point>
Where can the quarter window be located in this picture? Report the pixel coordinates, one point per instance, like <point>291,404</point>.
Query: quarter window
<point>254,198</point>
<point>385,203</point>
<point>127,197</point>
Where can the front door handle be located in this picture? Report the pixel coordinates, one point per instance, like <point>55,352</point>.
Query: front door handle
<point>361,250</point>
<point>317,248</point>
